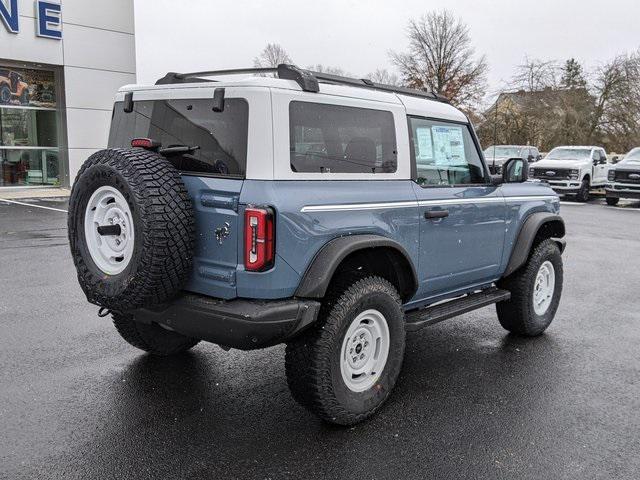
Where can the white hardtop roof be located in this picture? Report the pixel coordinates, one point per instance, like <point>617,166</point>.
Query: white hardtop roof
<point>414,105</point>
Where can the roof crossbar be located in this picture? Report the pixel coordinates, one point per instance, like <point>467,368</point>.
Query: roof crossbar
<point>308,80</point>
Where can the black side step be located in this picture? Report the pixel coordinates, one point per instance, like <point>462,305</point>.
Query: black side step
<point>442,311</point>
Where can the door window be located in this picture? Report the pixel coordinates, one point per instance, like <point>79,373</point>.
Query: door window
<point>444,153</point>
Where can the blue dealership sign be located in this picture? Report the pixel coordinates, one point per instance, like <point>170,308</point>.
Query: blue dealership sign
<point>9,15</point>
<point>49,20</point>
<point>48,17</point>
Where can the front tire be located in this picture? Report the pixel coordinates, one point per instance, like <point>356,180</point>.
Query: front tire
<point>346,366</point>
<point>535,292</point>
<point>583,193</point>
<point>612,201</point>
<point>152,338</point>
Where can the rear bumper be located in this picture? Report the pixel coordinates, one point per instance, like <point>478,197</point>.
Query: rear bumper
<point>242,324</point>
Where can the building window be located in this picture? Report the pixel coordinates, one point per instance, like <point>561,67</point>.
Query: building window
<point>29,129</point>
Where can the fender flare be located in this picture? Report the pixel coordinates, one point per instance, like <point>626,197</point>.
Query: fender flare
<point>527,235</point>
<point>320,271</point>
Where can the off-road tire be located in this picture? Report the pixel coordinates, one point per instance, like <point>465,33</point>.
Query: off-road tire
<point>312,360</point>
<point>163,225</point>
<point>5,95</point>
<point>583,194</point>
<point>612,201</point>
<point>152,338</point>
<point>517,315</point>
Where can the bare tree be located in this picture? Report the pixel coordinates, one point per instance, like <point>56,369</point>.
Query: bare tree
<point>441,59</point>
<point>318,67</point>
<point>382,75</point>
<point>535,75</point>
<point>616,117</point>
<point>271,56</point>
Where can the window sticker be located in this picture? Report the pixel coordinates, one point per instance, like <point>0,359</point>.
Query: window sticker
<point>425,145</point>
<point>448,145</point>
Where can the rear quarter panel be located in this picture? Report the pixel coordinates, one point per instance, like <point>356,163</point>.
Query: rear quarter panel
<point>300,235</point>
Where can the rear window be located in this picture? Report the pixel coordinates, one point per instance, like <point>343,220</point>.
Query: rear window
<point>220,136</point>
<point>338,139</point>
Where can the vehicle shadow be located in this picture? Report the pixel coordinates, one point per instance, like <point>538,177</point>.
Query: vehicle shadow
<point>465,388</point>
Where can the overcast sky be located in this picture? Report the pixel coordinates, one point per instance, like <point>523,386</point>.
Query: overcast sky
<point>188,35</point>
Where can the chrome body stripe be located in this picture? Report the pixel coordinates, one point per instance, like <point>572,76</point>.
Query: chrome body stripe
<point>421,203</point>
<point>357,206</point>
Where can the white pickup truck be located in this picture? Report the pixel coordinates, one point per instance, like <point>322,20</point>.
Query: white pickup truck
<point>573,170</point>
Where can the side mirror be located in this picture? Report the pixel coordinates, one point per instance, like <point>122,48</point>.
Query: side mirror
<point>538,158</point>
<point>615,159</point>
<point>603,161</point>
<point>515,170</point>
<point>531,158</point>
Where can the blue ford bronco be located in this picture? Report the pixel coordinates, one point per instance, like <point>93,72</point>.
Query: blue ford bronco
<point>329,213</point>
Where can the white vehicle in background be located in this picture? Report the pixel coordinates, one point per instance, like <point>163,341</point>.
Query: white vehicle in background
<point>624,178</point>
<point>497,155</point>
<point>573,170</point>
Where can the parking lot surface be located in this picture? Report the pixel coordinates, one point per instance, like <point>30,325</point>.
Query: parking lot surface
<point>77,402</point>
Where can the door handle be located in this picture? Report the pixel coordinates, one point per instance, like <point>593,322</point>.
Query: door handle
<point>430,214</point>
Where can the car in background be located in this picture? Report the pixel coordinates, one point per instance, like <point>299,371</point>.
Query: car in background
<point>573,170</point>
<point>497,155</point>
<point>12,85</point>
<point>623,180</point>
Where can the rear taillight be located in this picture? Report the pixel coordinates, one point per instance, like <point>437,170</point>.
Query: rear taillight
<point>147,143</point>
<point>259,244</point>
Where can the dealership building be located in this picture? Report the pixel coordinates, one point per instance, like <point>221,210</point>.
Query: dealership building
<point>61,62</point>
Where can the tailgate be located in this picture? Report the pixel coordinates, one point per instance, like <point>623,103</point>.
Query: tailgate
<point>215,203</point>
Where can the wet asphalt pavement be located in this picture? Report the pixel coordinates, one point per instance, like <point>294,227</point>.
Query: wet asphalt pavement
<point>77,402</point>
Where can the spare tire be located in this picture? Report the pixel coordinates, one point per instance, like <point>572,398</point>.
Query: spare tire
<point>131,229</point>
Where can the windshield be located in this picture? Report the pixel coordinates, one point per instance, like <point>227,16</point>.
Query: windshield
<point>569,153</point>
<point>502,151</point>
<point>632,157</point>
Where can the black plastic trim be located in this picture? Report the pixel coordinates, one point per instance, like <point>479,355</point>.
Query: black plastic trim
<point>239,323</point>
<point>526,236</point>
<point>316,279</point>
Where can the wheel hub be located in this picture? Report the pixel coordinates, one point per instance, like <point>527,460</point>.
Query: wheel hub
<point>109,230</point>
<point>543,288</point>
<point>365,349</point>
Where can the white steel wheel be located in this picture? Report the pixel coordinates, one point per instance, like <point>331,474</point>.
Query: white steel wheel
<point>364,352</point>
<point>543,288</point>
<point>109,230</point>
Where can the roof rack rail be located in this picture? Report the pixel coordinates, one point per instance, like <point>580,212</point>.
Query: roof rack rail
<point>307,79</point>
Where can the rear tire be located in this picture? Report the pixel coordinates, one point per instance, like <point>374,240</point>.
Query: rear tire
<point>342,370</point>
<point>583,193</point>
<point>612,201</point>
<point>152,338</point>
<point>530,310</point>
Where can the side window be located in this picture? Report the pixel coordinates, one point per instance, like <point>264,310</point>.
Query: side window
<point>596,155</point>
<point>444,153</point>
<point>327,138</point>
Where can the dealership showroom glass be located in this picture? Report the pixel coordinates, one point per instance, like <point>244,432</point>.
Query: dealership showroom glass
<point>55,93</point>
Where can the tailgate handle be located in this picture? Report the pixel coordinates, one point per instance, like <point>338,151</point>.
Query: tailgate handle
<point>430,214</point>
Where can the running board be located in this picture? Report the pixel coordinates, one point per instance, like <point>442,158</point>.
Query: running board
<point>428,316</point>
